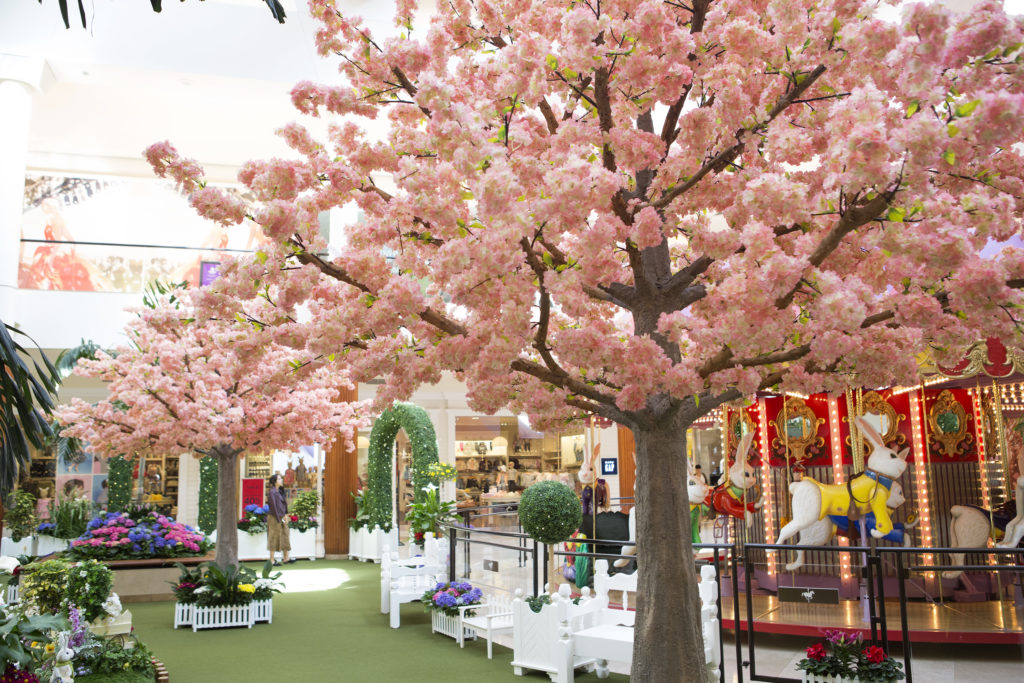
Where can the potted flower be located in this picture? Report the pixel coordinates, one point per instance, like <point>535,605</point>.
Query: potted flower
<point>252,544</point>
<point>140,534</point>
<point>428,515</point>
<point>265,586</point>
<point>357,527</point>
<point>20,520</point>
<point>224,598</point>
<point>443,602</point>
<point>185,598</point>
<point>302,521</point>
<point>842,658</point>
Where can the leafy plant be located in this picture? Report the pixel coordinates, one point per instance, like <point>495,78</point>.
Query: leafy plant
<point>550,512</point>
<point>266,583</point>
<point>26,397</point>
<point>114,656</point>
<point>537,602</point>
<point>89,584</point>
<point>224,586</point>
<point>18,632</point>
<point>189,581</point>
<point>70,517</point>
<point>303,511</point>
<point>428,514</point>
<point>44,585</point>
<point>362,517</point>
<point>842,655</point>
<point>20,516</point>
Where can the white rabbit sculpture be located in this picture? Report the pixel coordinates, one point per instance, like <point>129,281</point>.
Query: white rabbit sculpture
<point>63,668</point>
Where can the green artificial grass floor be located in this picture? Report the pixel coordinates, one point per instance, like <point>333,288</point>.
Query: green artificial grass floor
<point>327,627</point>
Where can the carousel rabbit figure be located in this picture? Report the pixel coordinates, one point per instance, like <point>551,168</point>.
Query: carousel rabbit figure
<point>699,494</point>
<point>739,495</point>
<point>822,531</point>
<point>63,667</point>
<point>973,526</point>
<point>866,492</point>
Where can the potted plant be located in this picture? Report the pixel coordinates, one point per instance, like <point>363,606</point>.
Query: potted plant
<point>69,519</point>
<point>266,584</point>
<point>428,515</point>
<point>443,603</point>
<point>20,519</point>
<point>224,598</point>
<point>842,658</point>
<point>184,589</point>
<point>302,521</point>
<point>357,526</point>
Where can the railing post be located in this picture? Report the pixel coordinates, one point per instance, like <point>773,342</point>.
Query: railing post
<point>903,617</point>
<point>736,611</point>
<point>536,573</point>
<point>451,552</point>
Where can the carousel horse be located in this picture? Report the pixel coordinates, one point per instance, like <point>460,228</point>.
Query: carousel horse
<point>973,526</point>
<point>822,531</point>
<point>866,492</point>
<point>731,498</point>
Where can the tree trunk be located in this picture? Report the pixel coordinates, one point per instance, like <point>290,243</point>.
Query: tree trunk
<point>227,506</point>
<point>668,646</point>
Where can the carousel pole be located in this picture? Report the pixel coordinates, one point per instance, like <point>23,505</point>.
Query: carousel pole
<point>785,446</point>
<point>928,471</point>
<point>1004,449</point>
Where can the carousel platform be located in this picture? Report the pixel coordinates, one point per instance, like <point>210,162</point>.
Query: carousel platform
<point>990,622</point>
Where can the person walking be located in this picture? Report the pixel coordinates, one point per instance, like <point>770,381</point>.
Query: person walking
<point>277,525</point>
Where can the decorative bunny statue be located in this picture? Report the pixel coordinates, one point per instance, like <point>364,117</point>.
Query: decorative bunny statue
<point>731,498</point>
<point>867,492</point>
<point>822,531</point>
<point>63,669</point>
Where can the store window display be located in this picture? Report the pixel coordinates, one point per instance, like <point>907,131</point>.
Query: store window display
<point>497,457</point>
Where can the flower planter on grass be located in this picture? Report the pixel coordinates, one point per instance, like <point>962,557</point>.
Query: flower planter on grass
<point>263,611</point>
<point>221,617</point>
<point>448,625</point>
<point>183,614</point>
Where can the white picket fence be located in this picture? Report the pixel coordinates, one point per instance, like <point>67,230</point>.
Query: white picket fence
<point>263,610</point>
<point>183,614</point>
<point>222,617</point>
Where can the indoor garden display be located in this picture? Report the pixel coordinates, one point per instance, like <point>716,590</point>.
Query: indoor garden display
<point>138,535</point>
<point>212,597</point>
<point>302,512</point>
<point>428,514</point>
<point>444,602</point>
<point>550,512</point>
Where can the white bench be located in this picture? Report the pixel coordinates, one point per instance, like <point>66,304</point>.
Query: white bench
<point>535,635</point>
<point>603,583</point>
<point>490,618</point>
<point>611,636</point>
<point>405,580</point>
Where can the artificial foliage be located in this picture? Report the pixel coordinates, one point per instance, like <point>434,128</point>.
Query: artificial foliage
<point>448,597</point>
<point>44,585</point>
<point>89,584</point>
<point>844,656</point>
<point>208,470</point>
<point>119,483</point>
<point>302,511</point>
<point>20,515</point>
<point>550,512</point>
<point>416,424</point>
<point>138,534</point>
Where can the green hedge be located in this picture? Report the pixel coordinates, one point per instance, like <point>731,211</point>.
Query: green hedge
<point>119,483</point>
<point>208,475</point>
<point>417,426</point>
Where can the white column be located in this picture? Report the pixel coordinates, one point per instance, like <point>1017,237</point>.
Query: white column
<point>20,77</point>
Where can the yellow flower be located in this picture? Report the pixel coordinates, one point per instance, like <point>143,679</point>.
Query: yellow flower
<point>49,648</point>
<point>247,588</point>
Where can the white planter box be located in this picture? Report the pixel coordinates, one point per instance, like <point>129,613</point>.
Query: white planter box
<point>221,617</point>
<point>252,546</point>
<point>44,545</point>
<point>113,626</point>
<point>15,548</point>
<point>371,543</point>
<point>355,544</point>
<point>303,544</point>
<point>183,614</point>
<point>12,596</point>
<point>263,610</point>
<point>448,626</point>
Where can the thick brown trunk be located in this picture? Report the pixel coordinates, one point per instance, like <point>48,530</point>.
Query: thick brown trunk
<point>668,646</point>
<point>227,506</point>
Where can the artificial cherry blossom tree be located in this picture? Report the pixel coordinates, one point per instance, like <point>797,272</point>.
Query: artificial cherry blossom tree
<point>642,209</point>
<point>209,387</point>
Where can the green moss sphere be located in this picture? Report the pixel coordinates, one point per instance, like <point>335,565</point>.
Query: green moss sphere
<point>550,512</point>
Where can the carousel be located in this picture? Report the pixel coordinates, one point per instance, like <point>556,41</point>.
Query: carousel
<point>931,466</point>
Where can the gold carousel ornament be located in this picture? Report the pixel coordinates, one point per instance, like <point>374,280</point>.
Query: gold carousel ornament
<point>797,429</point>
<point>947,422</point>
<point>884,418</point>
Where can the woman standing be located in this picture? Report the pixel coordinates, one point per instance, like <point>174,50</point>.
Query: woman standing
<point>277,527</point>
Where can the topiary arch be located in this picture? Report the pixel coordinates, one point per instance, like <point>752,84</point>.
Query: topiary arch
<point>416,423</point>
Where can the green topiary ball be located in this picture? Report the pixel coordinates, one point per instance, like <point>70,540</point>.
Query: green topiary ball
<point>550,512</point>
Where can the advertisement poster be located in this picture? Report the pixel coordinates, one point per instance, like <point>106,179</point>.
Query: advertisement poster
<point>252,492</point>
